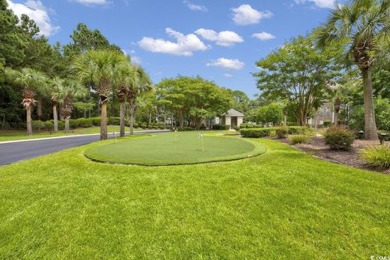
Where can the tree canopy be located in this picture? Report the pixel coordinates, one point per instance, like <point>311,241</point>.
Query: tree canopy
<point>298,73</point>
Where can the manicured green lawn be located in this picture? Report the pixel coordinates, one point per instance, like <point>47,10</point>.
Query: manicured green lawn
<point>282,204</point>
<point>175,148</point>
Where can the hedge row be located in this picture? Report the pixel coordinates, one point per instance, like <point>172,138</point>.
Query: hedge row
<point>281,132</point>
<point>39,125</point>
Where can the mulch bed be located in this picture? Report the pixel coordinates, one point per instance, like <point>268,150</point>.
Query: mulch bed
<point>317,148</point>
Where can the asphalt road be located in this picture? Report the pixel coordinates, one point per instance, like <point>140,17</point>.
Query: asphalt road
<point>15,151</point>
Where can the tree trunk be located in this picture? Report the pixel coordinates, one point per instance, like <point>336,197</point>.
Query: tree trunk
<point>39,109</point>
<point>67,124</point>
<point>122,119</point>
<point>103,123</point>
<point>55,118</point>
<point>370,130</point>
<point>28,119</point>
<point>132,111</point>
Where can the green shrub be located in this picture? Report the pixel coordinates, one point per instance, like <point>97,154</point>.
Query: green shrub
<point>298,139</point>
<point>246,125</point>
<point>96,121</point>
<point>281,132</point>
<point>220,127</point>
<point>237,128</point>
<point>296,130</point>
<point>73,123</point>
<point>114,120</point>
<point>327,123</point>
<point>61,125</point>
<point>38,125</point>
<point>49,125</point>
<point>377,156</point>
<point>84,122</point>
<point>339,138</point>
<point>255,132</point>
<point>143,125</point>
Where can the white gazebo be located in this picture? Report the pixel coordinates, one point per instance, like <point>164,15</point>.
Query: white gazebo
<point>232,118</point>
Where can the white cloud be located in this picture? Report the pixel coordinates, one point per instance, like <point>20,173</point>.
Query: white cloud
<point>37,12</point>
<point>228,75</point>
<point>92,2</point>
<point>245,14</point>
<point>263,36</point>
<point>224,38</point>
<point>185,44</point>
<point>319,3</point>
<point>227,64</point>
<point>195,7</point>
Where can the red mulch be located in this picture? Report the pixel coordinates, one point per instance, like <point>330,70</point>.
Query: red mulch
<point>317,147</point>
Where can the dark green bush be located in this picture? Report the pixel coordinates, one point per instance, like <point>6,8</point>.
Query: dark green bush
<point>296,130</point>
<point>84,122</point>
<point>61,125</point>
<point>49,125</point>
<point>114,120</point>
<point>327,123</point>
<point>38,125</point>
<point>74,123</point>
<point>255,132</point>
<point>220,127</point>
<point>281,132</point>
<point>96,121</point>
<point>377,156</point>
<point>143,125</point>
<point>339,138</point>
<point>247,125</point>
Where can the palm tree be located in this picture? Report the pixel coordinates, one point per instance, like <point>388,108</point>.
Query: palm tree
<point>31,81</point>
<point>97,69</point>
<point>140,84</point>
<point>70,90</point>
<point>361,26</point>
<point>124,79</point>
<point>57,85</point>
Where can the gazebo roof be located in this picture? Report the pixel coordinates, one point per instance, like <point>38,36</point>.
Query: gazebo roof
<point>233,112</point>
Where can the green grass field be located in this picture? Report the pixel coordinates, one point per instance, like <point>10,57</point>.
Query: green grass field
<point>175,148</point>
<point>282,204</point>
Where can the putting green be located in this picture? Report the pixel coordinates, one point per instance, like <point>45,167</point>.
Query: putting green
<point>175,149</point>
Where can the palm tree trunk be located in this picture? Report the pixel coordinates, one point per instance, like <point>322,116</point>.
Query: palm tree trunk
<point>28,120</point>
<point>55,118</point>
<point>122,119</point>
<point>103,123</point>
<point>132,111</point>
<point>67,124</point>
<point>39,108</point>
<point>370,130</point>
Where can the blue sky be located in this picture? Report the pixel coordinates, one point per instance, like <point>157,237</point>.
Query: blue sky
<point>219,40</point>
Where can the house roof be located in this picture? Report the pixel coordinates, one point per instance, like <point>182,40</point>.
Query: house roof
<point>233,112</point>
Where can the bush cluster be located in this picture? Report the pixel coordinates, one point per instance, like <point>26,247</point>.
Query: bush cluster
<point>339,138</point>
<point>298,139</point>
<point>255,132</point>
<point>280,132</point>
<point>220,127</point>
<point>247,125</point>
<point>377,156</point>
